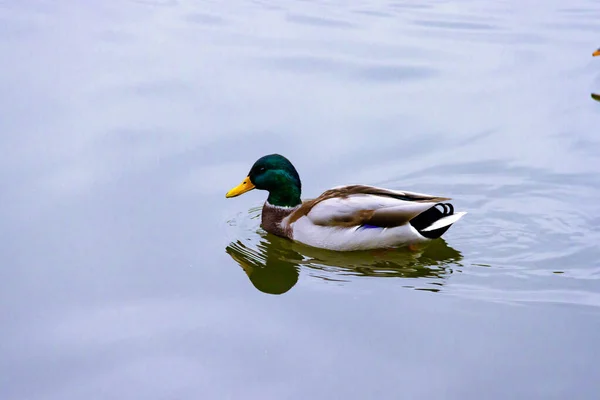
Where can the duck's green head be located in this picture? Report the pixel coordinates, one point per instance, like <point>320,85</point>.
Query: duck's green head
<point>596,53</point>
<point>275,174</point>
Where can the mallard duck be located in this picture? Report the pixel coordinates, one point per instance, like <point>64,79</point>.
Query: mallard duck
<point>596,53</point>
<point>344,218</point>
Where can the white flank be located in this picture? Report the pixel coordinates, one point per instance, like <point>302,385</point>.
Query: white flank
<point>348,239</point>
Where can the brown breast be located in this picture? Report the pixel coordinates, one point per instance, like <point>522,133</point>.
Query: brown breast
<point>271,220</point>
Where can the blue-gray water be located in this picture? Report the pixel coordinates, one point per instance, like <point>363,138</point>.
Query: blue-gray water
<point>126,274</point>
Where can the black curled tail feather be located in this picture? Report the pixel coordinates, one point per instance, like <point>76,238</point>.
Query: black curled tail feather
<point>429,216</point>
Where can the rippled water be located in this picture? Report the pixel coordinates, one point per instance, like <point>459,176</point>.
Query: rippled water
<point>125,273</point>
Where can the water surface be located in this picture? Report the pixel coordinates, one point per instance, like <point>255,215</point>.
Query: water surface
<point>125,273</point>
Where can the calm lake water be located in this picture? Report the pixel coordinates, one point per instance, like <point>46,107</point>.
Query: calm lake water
<point>126,274</point>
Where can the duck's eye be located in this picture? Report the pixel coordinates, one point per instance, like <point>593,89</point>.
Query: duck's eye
<point>261,169</point>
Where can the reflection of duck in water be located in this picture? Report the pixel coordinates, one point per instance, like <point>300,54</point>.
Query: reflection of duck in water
<point>272,269</point>
<point>273,264</point>
<point>345,218</point>
<point>427,262</point>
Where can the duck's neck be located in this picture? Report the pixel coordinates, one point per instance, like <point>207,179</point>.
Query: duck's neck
<point>288,196</point>
<point>284,199</point>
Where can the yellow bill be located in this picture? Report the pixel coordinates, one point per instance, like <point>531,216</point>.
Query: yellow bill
<point>242,188</point>
<point>596,53</point>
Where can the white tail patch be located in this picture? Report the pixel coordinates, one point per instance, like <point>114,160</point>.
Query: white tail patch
<point>442,222</point>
